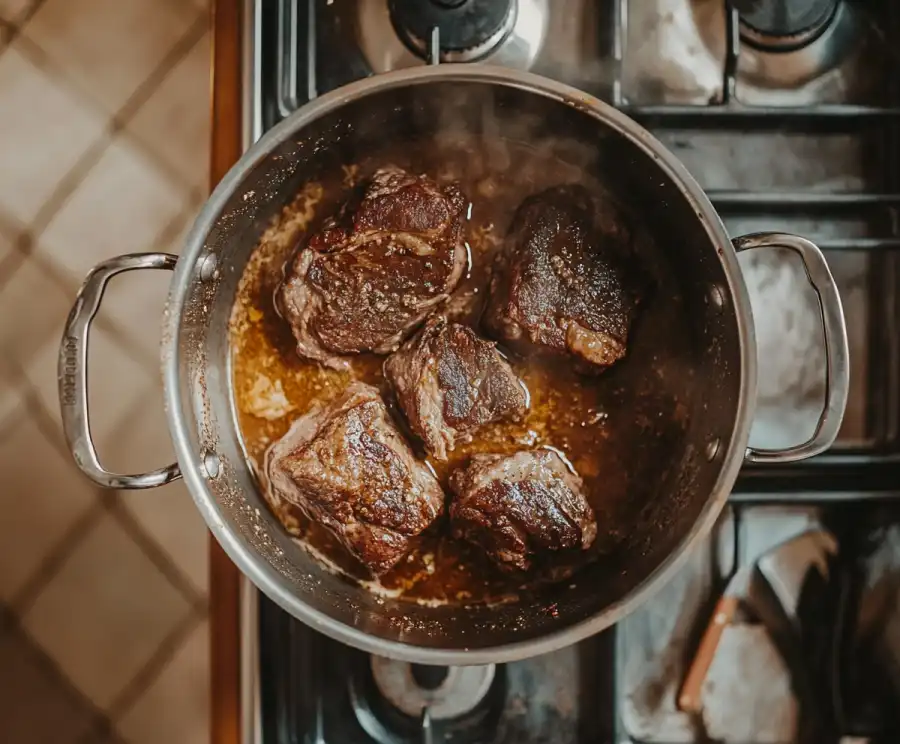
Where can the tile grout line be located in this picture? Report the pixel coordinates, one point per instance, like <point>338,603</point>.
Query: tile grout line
<point>109,503</point>
<point>76,175</point>
<point>116,121</point>
<point>153,79</point>
<point>70,286</point>
<point>131,691</point>
<point>162,242</point>
<point>179,51</point>
<point>48,664</point>
<point>15,26</point>
<point>9,224</point>
<point>71,180</point>
<point>58,276</point>
<point>9,373</point>
<point>12,229</point>
<point>10,265</point>
<point>158,555</point>
<point>144,678</point>
<point>34,407</point>
<point>78,531</point>
<point>49,567</point>
<point>191,38</point>
<point>49,428</point>
<point>139,684</point>
<point>67,186</point>
<point>151,550</point>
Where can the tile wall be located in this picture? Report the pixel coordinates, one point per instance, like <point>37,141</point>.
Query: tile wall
<point>104,130</point>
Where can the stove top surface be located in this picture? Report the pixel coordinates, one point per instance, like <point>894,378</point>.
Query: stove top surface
<point>787,114</point>
<point>813,658</point>
<point>317,690</point>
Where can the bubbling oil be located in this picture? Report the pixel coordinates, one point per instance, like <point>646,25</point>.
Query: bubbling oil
<point>616,429</point>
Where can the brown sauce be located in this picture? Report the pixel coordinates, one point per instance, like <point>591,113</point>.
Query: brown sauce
<point>620,430</point>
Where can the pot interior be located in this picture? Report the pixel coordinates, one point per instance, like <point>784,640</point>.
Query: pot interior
<point>703,372</point>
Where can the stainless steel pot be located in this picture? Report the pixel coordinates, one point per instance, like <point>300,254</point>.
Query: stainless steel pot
<point>200,405</point>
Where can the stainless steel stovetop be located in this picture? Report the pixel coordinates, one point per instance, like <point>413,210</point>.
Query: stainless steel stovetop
<point>788,114</point>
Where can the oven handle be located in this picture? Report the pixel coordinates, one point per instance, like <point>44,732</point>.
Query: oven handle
<point>72,373</point>
<point>837,352</point>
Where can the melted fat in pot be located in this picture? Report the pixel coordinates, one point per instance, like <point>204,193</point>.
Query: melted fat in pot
<point>617,429</point>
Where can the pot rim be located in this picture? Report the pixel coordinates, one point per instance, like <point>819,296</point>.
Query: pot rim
<point>264,576</point>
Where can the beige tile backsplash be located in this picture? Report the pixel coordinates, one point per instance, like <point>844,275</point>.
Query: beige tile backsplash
<point>42,498</point>
<point>12,10</point>
<point>33,306</point>
<point>175,708</point>
<point>108,48</point>
<point>104,110</point>
<point>175,104</point>
<point>93,622</point>
<point>46,128</point>
<point>122,206</point>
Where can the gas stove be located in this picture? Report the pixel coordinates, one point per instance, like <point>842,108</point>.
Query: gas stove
<point>788,114</point>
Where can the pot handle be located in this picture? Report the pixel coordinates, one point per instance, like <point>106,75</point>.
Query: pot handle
<point>72,373</point>
<point>837,353</point>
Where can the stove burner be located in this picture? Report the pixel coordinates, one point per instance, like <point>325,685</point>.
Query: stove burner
<point>429,677</point>
<point>399,703</point>
<point>390,41</point>
<point>447,692</point>
<point>468,29</point>
<point>784,25</point>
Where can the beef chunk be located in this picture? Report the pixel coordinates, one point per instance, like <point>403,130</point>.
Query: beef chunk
<point>520,507</point>
<point>560,284</point>
<point>369,276</point>
<point>348,468</point>
<point>449,382</point>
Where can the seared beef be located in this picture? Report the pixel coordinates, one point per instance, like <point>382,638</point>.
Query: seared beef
<point>520,507</point>
<point>348,468</point>
<point>560,285</point>
<point>367,278</point>
<point>449,382</point>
